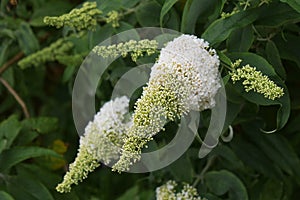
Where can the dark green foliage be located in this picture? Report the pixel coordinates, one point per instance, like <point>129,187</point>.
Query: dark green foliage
<point>260,163</point>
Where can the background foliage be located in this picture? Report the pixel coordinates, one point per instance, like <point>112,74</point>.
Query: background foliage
<point>38,137</point>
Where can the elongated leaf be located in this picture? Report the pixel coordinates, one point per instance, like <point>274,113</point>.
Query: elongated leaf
<point>40,173</point>
<point>148,14</point>
<point>293,3</point>
<point>15,155</point>
<point>273,152</point>
<point>5,196</point>
<point>240,40</point>
<point>130,194</point>
<point>165,9</point>
<point>221,182</point>
<point>252,156</point>
<point>277,14</point>
<point>195,9</point>
<point>26,39</point>
<point>288,47</point>
<point>274,59</point>
<point>287,153</point>
<point>49,8</point>
<point>41,124</point>
<point>272,190</point>
<point>220,29</point>
<point>228,157</point>
<point>262,65</point>
<point>9,130</point>
<point>3,50</point>
<point>179,174</point>
<point>28,188</point>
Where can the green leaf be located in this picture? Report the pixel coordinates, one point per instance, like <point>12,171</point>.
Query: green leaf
<point>182,175</point>
<point>278,154</point>
<point>287,153</point>
<point>26,39</point>
<point>228,157</point>
<point>220,29</point>
<point>277,14</point>
<point>25,137</point>
<point>41,124</point>
<point>48,8</point>
<point>195,9</point>
<point>288,47</point>
<point>15,155</point>
<point>253,157</point>
<point>9,130</point>
<point>110,5</point>
<point>272,190</point>
<point>4,50</point>
<point>130,194</point>
<point>222,182</point>
<point>5,196</point>
<point>274,59</point>
<point>240,40</point>
<point>40,173</point>
<point>68,73</point>
<point>27,188</point>
<point>262,65</point>
<point>148,14</point>
<point>293,3</point>
<point>168,4</point>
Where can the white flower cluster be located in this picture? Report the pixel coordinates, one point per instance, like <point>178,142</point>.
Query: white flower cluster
<point>101,141</point>
<point>194,67</point>
<point>104,135</point>
<point>184,78</point>
<point>168,192</point>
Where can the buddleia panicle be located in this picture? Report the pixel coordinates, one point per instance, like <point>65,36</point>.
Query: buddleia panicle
<point>135,48</point>
<point>168,192</point>
<point>184,78</point>
<point>113,18</point>
<point>256,81</point>
<point>101,142</point>
<point>80,19</point>
<point>59,48</point>
<point>225,15</point>
<point>71,60</point>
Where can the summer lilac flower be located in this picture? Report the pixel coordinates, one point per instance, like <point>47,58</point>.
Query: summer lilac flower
<point>78,18</point>
<point>168,192</point>
<point>184,78</point>
<point>256,81</point>
<point>101,141</point>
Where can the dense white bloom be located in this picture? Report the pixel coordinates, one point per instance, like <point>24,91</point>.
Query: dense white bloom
<point>104,135</point>
<point>168,192</point>
<point>184,78</point>
<point>195,68</point>
<point>101,141</point>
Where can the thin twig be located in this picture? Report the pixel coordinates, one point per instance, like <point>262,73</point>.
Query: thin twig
<point>16,96</point>
<point>11,61</point>
<point>205,169</point>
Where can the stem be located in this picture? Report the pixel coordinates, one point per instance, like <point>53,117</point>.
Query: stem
<point>227,66</point>
<point>205,169</point>
<point>16,96</point>
<point>11,61</point>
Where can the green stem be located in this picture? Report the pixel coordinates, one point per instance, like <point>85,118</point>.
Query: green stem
<point>209,163</point>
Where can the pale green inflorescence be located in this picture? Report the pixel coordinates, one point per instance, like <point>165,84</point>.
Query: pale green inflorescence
<point>135,48</point>
<point>101,141</point>
<point>113,18</point>
<point>59,48</point>
<point>168,192</point>
<point>256,81</point>
<point>80,19</point>
<point>184,78</point>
